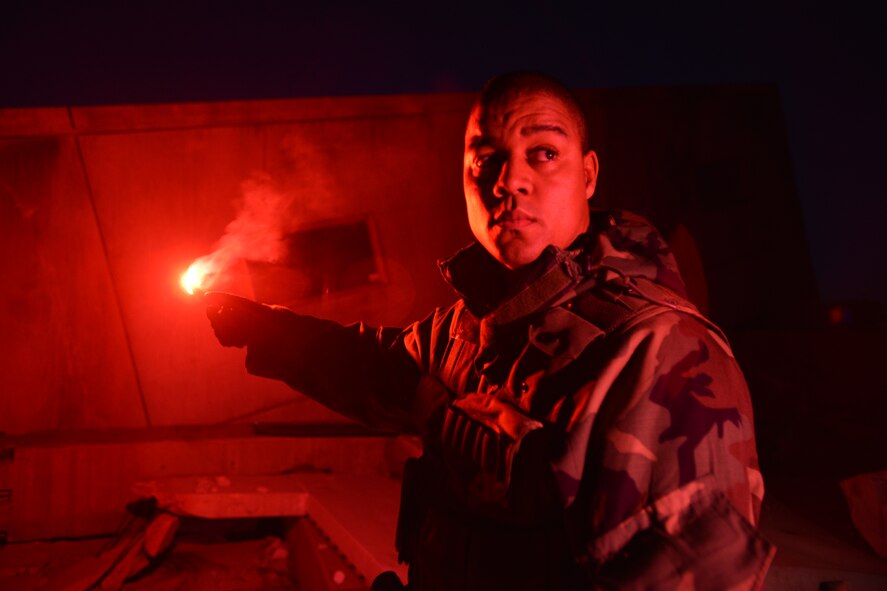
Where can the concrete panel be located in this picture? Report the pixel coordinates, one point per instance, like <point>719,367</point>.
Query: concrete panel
<point>64,361</point>
<point>31,122</point>
<point>712,165</point>
<point>390,171</point>
<point>163,199</point>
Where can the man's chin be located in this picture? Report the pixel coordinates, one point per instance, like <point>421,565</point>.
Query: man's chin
<point>516,256</point>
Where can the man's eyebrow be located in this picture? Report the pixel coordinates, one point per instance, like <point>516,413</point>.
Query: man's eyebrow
<point>539,128</point>
<point>479,140</point>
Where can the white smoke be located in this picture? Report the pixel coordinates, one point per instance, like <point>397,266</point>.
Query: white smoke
<point>255,234</point>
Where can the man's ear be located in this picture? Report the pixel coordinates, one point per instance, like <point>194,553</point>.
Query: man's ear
<point>590,166</point>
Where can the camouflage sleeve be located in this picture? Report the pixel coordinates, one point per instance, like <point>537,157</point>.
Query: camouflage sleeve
<point>671,489</point>
<point>368,374</point>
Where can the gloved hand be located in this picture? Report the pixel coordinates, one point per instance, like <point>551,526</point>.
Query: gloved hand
<point>236,321</point>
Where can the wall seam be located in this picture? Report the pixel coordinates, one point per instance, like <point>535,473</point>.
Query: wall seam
<point>116,293</point>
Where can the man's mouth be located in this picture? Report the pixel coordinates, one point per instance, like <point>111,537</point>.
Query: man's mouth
<point>512,220</point>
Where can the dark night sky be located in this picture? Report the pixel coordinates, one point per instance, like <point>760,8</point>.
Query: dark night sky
<point>828,65</point>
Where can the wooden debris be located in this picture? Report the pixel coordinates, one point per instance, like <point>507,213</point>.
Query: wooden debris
<point>160,533</point>
<point>138,543</point>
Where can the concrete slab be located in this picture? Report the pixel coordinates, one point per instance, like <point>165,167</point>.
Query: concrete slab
<point>226,497</point>
<point>359,513</point>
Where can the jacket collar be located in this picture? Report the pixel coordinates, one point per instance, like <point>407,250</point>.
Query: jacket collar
<point>485,285</point>
<point>617,243</point>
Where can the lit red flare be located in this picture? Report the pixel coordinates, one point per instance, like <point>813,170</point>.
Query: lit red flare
<point>194,278</point>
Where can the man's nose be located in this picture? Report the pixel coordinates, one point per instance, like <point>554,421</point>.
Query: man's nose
<point>513,179</point>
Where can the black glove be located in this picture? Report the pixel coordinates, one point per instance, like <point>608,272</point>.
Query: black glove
<point>236,321</point>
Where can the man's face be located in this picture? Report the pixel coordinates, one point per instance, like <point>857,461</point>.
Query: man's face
<point>526,179</point>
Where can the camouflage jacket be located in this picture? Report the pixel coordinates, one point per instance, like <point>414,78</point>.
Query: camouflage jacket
<point>586,428</point>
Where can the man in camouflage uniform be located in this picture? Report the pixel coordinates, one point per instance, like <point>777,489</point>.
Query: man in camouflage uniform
<point>584,427</point>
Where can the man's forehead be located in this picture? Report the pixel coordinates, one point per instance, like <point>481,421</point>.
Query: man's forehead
<point>532,111</point>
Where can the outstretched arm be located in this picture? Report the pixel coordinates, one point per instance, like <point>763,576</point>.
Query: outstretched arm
<point>361,372</point>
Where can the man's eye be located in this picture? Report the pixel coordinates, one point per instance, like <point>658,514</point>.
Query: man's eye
<point>542,155</point>
<point>483,160</point>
